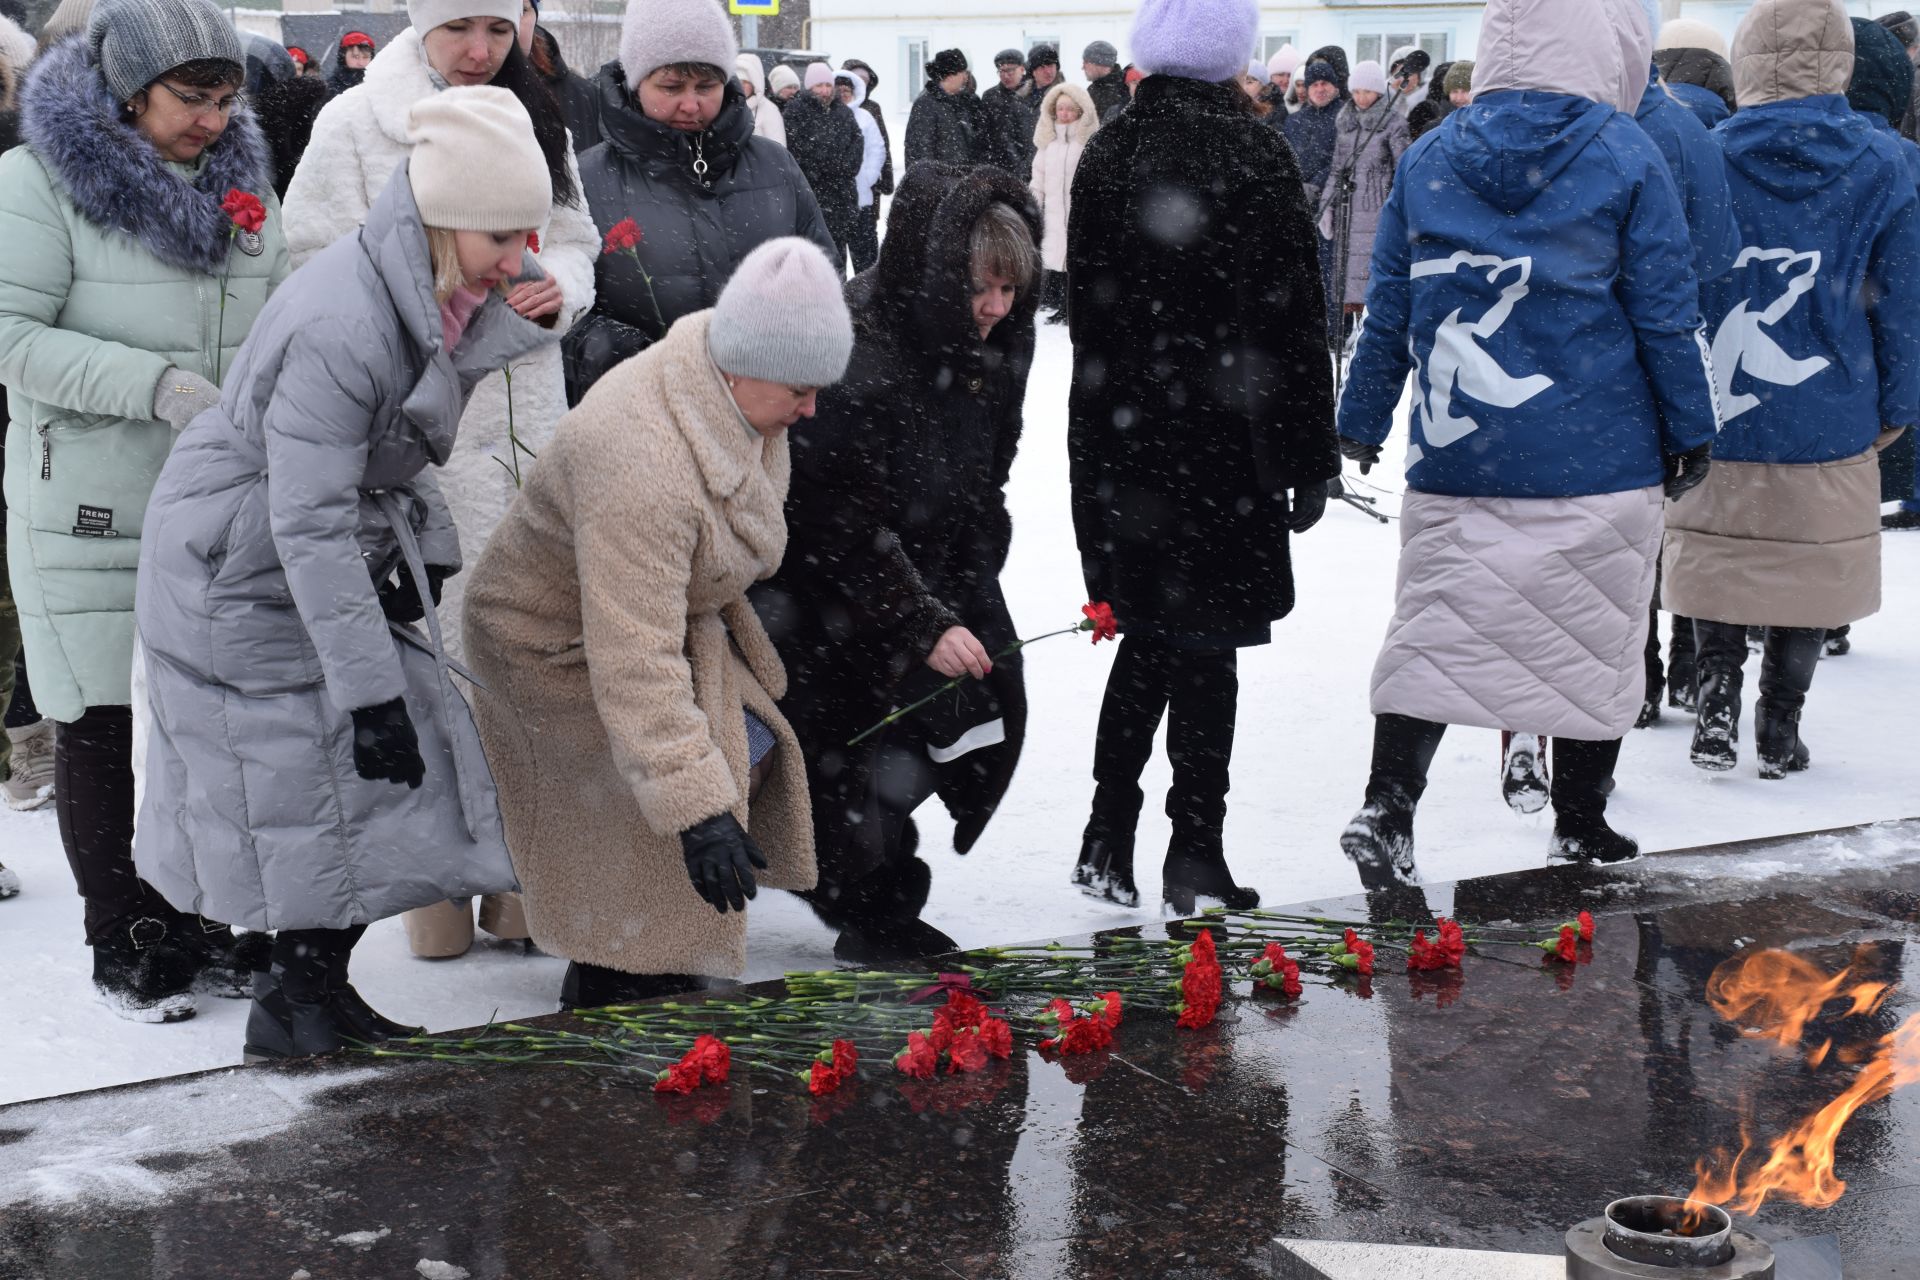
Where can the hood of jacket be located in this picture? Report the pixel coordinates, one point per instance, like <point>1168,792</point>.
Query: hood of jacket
<point>854,64</point>
<point>1509,147</point>
<point>116,178</point>
<point>1791,49</point>
<point>1702,67</point>
<point>394,238</point>
<point>1793,149</point>
<point>1882,76</point>
<point>1334,56</point>
<point>751,70</point>
<point>1083,128</point>
<point>923,282</point>
<point>1546,45</point>
<point>855,82</point>
<point>656,147</point>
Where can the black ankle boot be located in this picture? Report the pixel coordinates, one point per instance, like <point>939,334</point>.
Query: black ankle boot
<point>592,986</point>
<point>290,1024</point>
<point>1196,867</point>
<point>1584,836</point>
<point>1379,840</point>
<point>1105,870</point>
<point>143,974</point>
<point>1776,737</point>
<point>879,916</point>
<point>227,962</point>
<point>1716,737</point>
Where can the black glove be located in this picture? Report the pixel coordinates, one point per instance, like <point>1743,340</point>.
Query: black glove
<point>385,747</point>
<point>720,862</point>
<point>1686,470</point>
<point>401,601</point>
<point>1364,454</point>
<point>1308,505</point>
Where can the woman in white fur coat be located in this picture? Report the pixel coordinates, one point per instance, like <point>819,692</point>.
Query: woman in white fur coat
<point>359,140</point>
<point>1067,119</point>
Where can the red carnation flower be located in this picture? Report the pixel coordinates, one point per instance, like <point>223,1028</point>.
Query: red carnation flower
<point>1100,621</point>
<point>1568,948</point>
<point>245,210</point>
<point>1452,942</point>
<point>1359,956</point>
<point>1290,985</point>
<point>919,1059</point>
<point>969,1052</point>
<point>714,1058</point>
<point>1111,1014</point>
<point>964,1010</point>
<point>681,1077</point>
<point>998,1037</point>
<point>1586,926</point>
<point>1423,955</point>
<point>1060,1010</point>
<point>845,1058</point>
<point>623,236</point>
<point>1085,1036</point>
<point>533,242</point>
<point>822,1079</point>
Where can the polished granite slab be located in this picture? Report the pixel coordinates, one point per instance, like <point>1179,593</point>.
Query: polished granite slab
<point>1487,1110</point>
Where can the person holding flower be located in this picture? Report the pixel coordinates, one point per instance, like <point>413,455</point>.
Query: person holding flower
<point>113,250</point>
<point>898,531</point>
<point>683,174</point>
<point>311,767</point>
<point>649,783</point>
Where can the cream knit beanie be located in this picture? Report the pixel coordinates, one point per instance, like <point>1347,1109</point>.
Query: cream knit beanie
<point>782,77</point>
<point>424,15</point>
<point>459,134</point>
<point>661,33</point>
<point>782,318</point>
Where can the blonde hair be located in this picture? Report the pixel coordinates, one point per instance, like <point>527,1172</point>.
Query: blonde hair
<point>1001,244</point>
<point>445,252</point>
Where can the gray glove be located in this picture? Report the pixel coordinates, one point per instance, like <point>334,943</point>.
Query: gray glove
<point>180,397</point>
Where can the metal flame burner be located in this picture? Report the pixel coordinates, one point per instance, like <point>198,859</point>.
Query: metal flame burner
<point>1640,1238</point>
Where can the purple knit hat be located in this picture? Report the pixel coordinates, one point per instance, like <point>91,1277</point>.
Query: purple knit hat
<point>1197,39</point>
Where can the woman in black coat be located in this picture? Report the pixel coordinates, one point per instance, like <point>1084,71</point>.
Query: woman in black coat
<point>703,198</point>
<point>1202,399</point>
<point>897,532</point>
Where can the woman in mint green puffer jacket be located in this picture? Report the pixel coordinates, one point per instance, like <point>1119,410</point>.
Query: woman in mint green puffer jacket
<point>114,252</point>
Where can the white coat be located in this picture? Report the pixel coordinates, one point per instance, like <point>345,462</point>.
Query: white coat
<point>1056,158</point>
<point>767,120</point>
<point>873,144</point>
<point>359,140</point>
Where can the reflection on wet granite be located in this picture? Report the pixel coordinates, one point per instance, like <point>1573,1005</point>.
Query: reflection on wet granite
<point>1488,1110</point>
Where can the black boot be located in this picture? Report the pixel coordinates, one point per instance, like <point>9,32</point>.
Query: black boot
<point>1839,643</point>
<point>879,916</point>
<point>1656,675</point>
<point>592,986</point>
<point>1130,713</point>
<point>143,974</point>
<point>227,962</point>
<point>1786,673</point>
<point>1203,695</point>
<point>293,1013</point>
<point>1716,738</point>
<point>1583,772</point>
<point>1379,839</point>
<point>357,1019</point>
<point>1683,691</point>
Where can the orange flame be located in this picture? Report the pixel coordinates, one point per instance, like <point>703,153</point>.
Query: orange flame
<point>1775,995</point>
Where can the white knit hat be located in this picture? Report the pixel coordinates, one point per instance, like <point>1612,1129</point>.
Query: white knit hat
<point>1285,60</point>
<point>1685,33</point>
<point>818,73</point>
<point>781,77</point>
<point>460,132</point>
<point>782,318</point>
<point>663,33</point>
<point>1367,76</point>
<point>424,15</point>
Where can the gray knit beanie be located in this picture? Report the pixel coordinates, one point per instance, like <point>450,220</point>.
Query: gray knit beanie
<point>138,41</point>
<point>663,33</point>
<point>782,317</point>
<point>1101,54</point>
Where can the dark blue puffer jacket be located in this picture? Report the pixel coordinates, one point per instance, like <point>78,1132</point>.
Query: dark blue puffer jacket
<point>1533,271</point>
<point>1816,331</point>
<point>1700,174</point>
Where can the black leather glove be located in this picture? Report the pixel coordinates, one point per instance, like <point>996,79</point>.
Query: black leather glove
<point>1687,470</point>
<point>400,601</point>
<point>1306,508</point>
<point>720,862</point>
<point>1364,454</point>
<point>385,747</point>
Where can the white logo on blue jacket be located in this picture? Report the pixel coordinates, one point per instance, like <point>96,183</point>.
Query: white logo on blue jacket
<point>1459,364</point>
<point>1741,344</point>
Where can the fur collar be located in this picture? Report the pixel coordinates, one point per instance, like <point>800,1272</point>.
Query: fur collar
<point>117,180</point>
<point>396,79</point>
<point>1082,129</point>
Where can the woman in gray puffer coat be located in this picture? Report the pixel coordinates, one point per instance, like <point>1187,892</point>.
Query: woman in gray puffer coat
<point>1370,139</point>
<point>287,698</point>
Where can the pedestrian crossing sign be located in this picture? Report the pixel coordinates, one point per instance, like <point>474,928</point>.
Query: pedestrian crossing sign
<point>754,8</point>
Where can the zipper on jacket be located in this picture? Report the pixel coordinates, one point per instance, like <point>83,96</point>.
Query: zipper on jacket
<point>46,453</point>
<point>700,160</point>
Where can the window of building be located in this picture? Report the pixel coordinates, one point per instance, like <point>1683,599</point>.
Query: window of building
<point>1270,44</point>
<point>1375,46</point>
<point>1034,42</point>
<point>914,58</point>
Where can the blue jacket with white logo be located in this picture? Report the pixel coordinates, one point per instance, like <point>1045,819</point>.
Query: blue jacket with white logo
<point>1699,172</point>
<point>1533,271</point>
<point>1816,331</point>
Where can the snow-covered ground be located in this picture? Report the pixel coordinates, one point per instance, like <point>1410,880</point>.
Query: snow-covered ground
<point>1304,736</point>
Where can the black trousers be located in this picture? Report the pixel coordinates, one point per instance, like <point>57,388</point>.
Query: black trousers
<point>314,961</point>
<point>1404,747</point>
<point>1198,690</point>
<point>20,709</point>
<point>93,799</point>
<point>1788,658</point>
<point>863,241</point>
<point>1679,654</point>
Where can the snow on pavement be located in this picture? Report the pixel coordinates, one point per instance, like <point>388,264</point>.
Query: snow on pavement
<point>1299,766</point>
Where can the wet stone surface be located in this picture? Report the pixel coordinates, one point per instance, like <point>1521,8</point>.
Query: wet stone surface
<point>1489,1110</point>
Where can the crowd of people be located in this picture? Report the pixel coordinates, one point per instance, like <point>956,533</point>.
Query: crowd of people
<point>457,481</point>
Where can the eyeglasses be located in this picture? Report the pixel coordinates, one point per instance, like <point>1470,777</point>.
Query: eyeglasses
<point>200,102</point>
